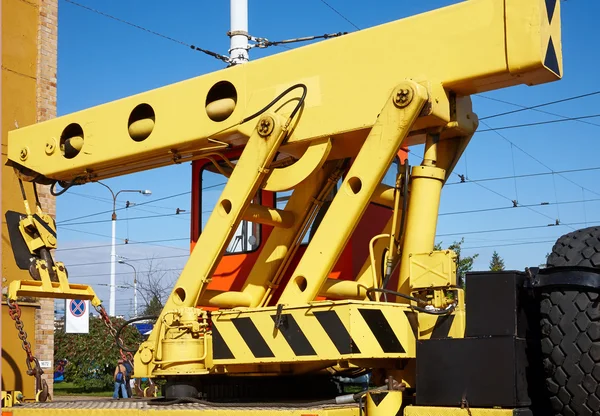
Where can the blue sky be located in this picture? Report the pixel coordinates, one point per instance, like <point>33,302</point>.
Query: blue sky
<point>101,60</point>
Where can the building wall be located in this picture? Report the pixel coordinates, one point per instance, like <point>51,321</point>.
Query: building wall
<point>29,60</point>
<point>47,36</point>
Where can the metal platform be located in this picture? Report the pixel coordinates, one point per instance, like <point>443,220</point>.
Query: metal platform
<point>142,407</point>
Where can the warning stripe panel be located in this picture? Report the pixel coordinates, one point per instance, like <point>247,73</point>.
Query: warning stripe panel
<point>294,335</point>
<point>221,350</point>
<point>347,331</point>
<point>252,337</point>
<point>337,332</point>
<point>381,329</point>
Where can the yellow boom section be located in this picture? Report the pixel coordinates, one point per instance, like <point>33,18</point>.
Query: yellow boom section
<point>471,47</point>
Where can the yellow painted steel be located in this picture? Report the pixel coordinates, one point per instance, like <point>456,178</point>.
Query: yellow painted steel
<point>278,248</point>
<point>243,184</point>
<point>383,403</point>
<point>269,216</point>
<point>444,326</point>
<point>338,102</point>
<point>384,195</point>
<point>436,269</point>
<point>457,411</point>
<point>416,92</point>
<point>329,333</point>
<point>283,179</point>
<point>108,409</point>
<point>367,171</point>
<point>425,191</point>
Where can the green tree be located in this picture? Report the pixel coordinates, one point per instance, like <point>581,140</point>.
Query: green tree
<point>496,263</point>
<point>154,307</point>
<point>464,263</point>
<point>92,357</point>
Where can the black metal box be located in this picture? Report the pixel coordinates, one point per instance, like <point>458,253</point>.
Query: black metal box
<point>484,371</point>
<point>497,304</point>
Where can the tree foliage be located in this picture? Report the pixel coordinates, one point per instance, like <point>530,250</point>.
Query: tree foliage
<point>154,307</point>
<point>464,263</point>
<point>496,263</point>
<point>92,357</point>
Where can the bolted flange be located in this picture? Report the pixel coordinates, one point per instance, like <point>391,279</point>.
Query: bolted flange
<point>24,154</point>
<point>50,146</point>
<point>266,126</point>
<point>403,96</point>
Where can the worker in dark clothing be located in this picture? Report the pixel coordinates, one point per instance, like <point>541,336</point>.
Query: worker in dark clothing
<point>128,374</point>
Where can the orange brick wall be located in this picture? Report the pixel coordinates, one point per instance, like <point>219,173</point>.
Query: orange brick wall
<point>46,109</point>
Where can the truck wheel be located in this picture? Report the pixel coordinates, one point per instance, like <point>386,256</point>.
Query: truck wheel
<point>570,330</point>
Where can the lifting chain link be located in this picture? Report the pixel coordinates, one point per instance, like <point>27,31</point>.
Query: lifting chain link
<point>113,332</point>
<point>33,365</point>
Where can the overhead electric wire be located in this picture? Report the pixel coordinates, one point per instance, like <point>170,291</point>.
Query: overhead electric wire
<point>126,219</point>
<point>540,162</point>
<point>126,244</point>
<point>128,241</point>
<point>133,205</point>
<point>539,123</point>
<point>193,47</point>
<point>122,208</point>
<point>498,193</point>
<point>524,108</point>
<point>128,260</point>
<point>531,227</point>
<point>138,204</point>
<point>525,175</point>
<point>542,204</point>
<point>339,14</point>
<point>122,273</point>
<point>510,244</point>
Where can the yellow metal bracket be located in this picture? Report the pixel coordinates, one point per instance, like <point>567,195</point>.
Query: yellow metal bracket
<point>284,179</point>
<point>436,269</point>
<point>11,398</point>
<point>46,288</point>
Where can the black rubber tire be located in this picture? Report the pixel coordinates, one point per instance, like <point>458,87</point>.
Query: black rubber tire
<point>579,248</point>
<point>570,330</point>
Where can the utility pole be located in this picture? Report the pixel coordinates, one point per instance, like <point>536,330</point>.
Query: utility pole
<point>238,51</point>
<point>135,308</point>
<point>113,253</point>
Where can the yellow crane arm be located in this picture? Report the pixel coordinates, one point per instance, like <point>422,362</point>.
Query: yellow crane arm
<point>471,47</point>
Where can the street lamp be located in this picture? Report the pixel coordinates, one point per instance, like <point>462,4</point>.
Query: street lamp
<point>135,310</point>
<point>113,254</point>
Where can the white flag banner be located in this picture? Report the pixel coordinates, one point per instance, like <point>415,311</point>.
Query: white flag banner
<point>77,316</point>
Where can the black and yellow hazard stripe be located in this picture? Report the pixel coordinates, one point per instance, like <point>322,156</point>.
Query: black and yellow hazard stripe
<point>311,333</point>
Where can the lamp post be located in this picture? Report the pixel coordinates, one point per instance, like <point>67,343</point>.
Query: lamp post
<point>113,254</point>
<point>135,310</point>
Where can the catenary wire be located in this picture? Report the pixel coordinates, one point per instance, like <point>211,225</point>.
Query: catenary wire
<point>339,14</point>
<point>524,108</point>
<point>538,123</point>
<point>526,175</point>
<point>193,47</point>
<point>537,110</point>
<point>540,162</point>
<point>497,193</point>
<point>126,219</point>
<point>481,210</point>
<point>531,227</point>
<point>129,242</point>
<point>125,244</point>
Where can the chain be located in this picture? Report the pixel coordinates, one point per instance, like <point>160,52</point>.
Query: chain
<point>113,332</point>
<point>464,404</point>
<point>33,365</point>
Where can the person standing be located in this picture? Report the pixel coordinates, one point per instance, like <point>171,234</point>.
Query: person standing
<point>119,378</point>
<point>128,374</point>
